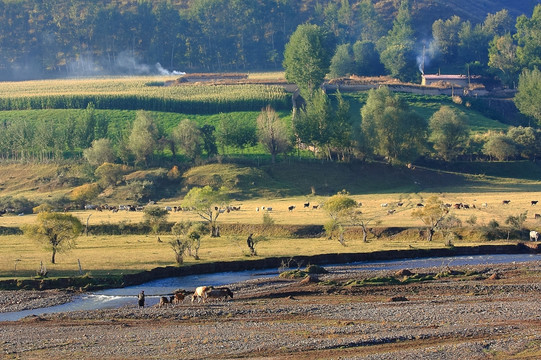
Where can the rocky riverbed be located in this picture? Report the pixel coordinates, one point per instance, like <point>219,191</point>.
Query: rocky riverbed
<point>477,312</point>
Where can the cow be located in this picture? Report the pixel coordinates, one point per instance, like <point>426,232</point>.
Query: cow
<point>533,202</point>
<point>164,301</point>
<point>200,293</point>
<point>178,297</point>
<point>306,205</point>
<point>390,212</point>
<point>384,205</point>
<point>220,293</point>
<point>537,216</point>
<point>506,202</point>
<point>534,235</point>
<point>291,208</point>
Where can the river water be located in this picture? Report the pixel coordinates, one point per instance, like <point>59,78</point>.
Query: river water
<point>119,297</point>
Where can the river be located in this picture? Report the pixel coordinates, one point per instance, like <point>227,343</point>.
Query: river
<point>119,297</point>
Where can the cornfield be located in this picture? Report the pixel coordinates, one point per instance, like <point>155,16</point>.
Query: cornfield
<point>140,94</point>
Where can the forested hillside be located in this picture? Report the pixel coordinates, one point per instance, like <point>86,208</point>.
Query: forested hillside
<point>76,37</point>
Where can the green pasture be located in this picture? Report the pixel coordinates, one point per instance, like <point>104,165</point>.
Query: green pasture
<point>426,106</point>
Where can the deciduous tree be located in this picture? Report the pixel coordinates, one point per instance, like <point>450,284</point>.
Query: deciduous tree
<point>56,230</point>
<point>207,203</point>
<point>273,133</point>
<point>307,58</point>
<point>448,132</point>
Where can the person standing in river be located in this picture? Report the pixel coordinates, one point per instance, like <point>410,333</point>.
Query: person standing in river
<point>141,299</point>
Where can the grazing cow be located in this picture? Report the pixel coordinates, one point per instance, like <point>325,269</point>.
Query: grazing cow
<point>291,208</point>
<point>506,202</point>
<point>390,212</point>
<point>307,205</point>
<point>533,202</point>
<point>220,293</point>
<point>315,206</point>
<point>384,205</point>
<point>399,204</point>
<point>420,205</point>
<point>534,235</point>
<point>537,216</point>
<point>200,293</point>
<point>164,301</point>
<point>484,205</point>
<point>178,297</point>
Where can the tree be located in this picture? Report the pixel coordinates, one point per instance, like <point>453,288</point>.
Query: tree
<point>272,132</point>
<point>344,212</point>
<point>499,23</point>
<point>56,230</point>
<point>209,140</point>
<point>502,55</point>
<point>341,139</point>
<point>500,146</point>
<point>473,44</point>
<point>314,123</point>
<point>187,137</point>
<point>142,140</point>
<point>390,128</point>
<point>110,174</point>
<point>207,202</point>
<point>528,97</point>
<point>236,132</point>
<point>84,193</point>
<point>445,34</point>
<point>307,58</point>
<point>339,207</point>
<point>100,152</point>
<point>155,216</point>
<point>432,214</point>
<point>448,132</point>
<point>372,23</point>
<point>397,48</point>
<point>366,59</point>
<point>529,39</point>
<point>342,63</point>
<point>526,141</point>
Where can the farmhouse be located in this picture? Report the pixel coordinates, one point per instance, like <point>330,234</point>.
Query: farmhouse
<point>456,80</point>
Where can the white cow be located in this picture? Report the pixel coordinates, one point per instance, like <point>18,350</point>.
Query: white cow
<point>534,235</point>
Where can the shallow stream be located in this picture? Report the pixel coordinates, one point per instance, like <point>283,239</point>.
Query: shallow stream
<point>119,297</point>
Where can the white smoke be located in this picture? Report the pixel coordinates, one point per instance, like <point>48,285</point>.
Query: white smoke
<point>427,52</point>
<point>123,64</point>
<point>163,71</point>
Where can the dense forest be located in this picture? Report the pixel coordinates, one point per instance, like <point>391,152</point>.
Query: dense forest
<point>43,38</point>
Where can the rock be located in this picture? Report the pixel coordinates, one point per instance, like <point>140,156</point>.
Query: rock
<point>310,279</point>
<point>495,276</point>
<point>403,272</point>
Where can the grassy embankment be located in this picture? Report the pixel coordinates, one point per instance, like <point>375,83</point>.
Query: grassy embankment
<point>280,187</point>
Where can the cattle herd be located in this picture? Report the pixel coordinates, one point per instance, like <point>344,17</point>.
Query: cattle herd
<point>200,294</point>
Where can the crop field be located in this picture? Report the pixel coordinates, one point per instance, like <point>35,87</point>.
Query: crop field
<point>138,93</point>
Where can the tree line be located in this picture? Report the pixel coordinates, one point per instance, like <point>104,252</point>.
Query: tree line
<point>76,37</point>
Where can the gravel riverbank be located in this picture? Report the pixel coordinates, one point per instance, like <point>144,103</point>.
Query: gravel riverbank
<point>471,313</point>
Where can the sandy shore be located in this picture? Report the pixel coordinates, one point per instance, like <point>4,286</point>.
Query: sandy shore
<point>476,313</point>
